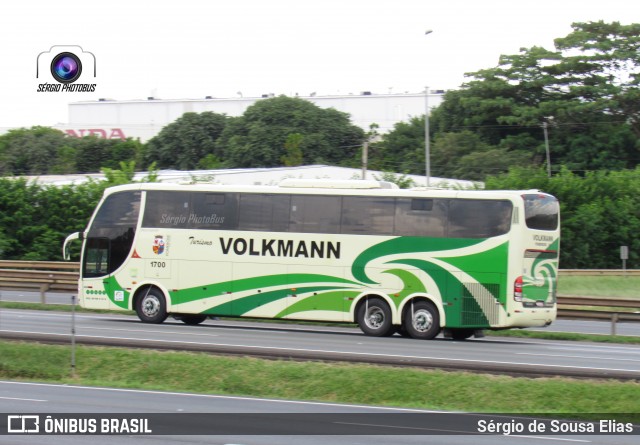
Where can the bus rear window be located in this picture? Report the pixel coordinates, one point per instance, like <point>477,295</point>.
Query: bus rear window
<point>541,211</point>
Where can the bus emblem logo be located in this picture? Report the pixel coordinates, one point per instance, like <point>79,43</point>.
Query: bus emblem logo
<point>158,245</point>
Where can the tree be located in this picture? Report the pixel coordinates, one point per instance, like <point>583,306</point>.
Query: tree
<point>402,149</point>
<point>35,219</point>
<point>258,137</point>
<point>93,153</point>
<point>30,151</point>
<point>185,142</point>
<point>293,153</point>
<point>588,85</point>
<point>42,150</point>
<point>600,211</point>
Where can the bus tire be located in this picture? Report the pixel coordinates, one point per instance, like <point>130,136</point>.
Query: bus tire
<point>402,331</point>
<point>193,320</point>
<point>374,318</point>
<point>422,320</point>
<point>461,334</point>
<point>151,307</point>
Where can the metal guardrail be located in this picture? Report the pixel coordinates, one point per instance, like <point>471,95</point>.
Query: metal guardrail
<point>56,276</point>
<point>45,276</point>
<point>613,309</point>
<point>599,272</point>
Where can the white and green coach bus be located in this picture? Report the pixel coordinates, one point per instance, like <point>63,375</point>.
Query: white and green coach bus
<point>409,261</point>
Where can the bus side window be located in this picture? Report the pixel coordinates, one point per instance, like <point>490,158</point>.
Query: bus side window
<point>476,218</point>
<point>315,214</point>
<point>367,215</point>
<point>166,210</point>
<point>214,211</point>
<point>264,212</point>
<point>421,217</point>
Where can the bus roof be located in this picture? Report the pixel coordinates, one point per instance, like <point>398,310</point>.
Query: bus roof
<point>324,187</point>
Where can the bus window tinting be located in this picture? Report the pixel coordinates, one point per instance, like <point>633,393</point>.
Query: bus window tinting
<point>315,214</point>
<point>186,210</point>
<point>470,218</point>
<point>368,215</point>
<point>167,209</point>
<point>268,213</point>
<point>213,211</point>
<point>421,217</point>
<point>112,233</point>
<point>541,211</point>
<point>365,215</point>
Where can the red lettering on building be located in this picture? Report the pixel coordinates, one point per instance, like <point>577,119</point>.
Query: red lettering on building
<point>111,133</point>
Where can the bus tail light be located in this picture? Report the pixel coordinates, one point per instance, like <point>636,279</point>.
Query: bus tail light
<point>517,289</point>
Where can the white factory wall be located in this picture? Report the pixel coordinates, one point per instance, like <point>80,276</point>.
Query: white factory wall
<point>143,119</point>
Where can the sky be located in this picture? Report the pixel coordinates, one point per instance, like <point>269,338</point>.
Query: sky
<point>232,48</point>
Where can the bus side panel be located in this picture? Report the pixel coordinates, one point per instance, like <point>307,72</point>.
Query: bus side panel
<point>474,304</point>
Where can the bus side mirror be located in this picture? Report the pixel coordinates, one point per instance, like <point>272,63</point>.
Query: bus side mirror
<point>66,253</point>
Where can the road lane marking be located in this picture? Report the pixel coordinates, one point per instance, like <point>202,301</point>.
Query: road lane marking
<point>240,398</point>
<point>23,399</point>
<point>519,436</point>
<point>343,353</point>
<point>579,356</point>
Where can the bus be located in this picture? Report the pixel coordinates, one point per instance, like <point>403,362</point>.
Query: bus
<point>416,262</point>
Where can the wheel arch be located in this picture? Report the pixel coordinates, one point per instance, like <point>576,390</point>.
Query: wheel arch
<point>437,302</point>
<point>362,298</point>
<point>140,290</point>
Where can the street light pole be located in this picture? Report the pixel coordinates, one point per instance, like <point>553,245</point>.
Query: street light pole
<point>427,147</point>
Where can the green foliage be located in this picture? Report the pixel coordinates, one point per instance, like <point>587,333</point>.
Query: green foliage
<point>402,149</point>
<point>293,153</point>
<point>600,211</point>
<point>402,181</point>
<point>258,138</point>
<point>586,89</point>
<point>42,150</point>
<point>209,162</point>
<point>328,382</point>
<point>29,151</point>
<point>35,219</point>
<point>187,141</point>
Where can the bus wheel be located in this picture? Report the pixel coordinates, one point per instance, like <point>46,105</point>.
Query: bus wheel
<point>422,320</point>
<point>374,318</point>
<point>193,320</point>
<point>402,331</point>
<point>151,307</point>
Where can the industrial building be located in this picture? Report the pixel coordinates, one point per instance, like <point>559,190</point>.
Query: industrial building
<point>143,119</point>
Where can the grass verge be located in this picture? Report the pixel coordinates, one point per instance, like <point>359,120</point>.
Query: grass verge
<point>328,382</point>
<point>600,286</point>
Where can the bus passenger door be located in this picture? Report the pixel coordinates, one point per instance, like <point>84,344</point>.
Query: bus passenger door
<point>95,274</point>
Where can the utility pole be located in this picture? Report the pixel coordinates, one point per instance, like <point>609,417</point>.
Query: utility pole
<point>427,150</point>
<point>546,145</point>
<point>365,158</point>
<point>427,147</point>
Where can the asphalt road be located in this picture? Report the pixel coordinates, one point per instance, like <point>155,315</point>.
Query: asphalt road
<point>577,326</point>
<point>490,354</point>
<point>43,399</point>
